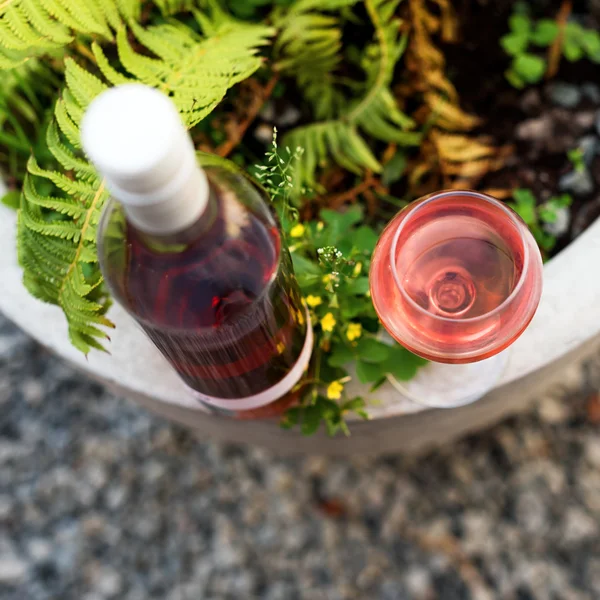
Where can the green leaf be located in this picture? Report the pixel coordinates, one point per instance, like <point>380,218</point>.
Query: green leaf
<point>545,240</point>
<point>530,67</point>
<point>342,219</point>
<point>394,168</point>
<point>12,199</point>
<point>378,384</point>
<point>514,79</point>
<point>368,372</point>
<point>524,205</point>
<point>402,363</point>
<point>545,32</point>
<point>340,355</point>
<point>311,419</point>
<point>575,156</point>
<point>514,43</point>
<point>304,266</point>
<point>372,351</point>
<point>572,51</point>
<point>548,212</point>
<point>354,306</point>
<point>590,40</point>
<point>520,23</point>
<point>547,215</point>
<point>562,200</point>
<point>358,286</point>
<point>364,239</point>
<point>291,417</point>
<point>354,404</point>
<point>338,224</point>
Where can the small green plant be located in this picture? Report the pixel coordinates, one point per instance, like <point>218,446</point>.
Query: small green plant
<point>331,258</point>
<point>576,158</point>
<point>526,35</point>
<point>535,215</point>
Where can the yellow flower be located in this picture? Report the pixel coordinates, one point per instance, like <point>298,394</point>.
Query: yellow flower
<point>326,278</point>
<point>334,390</point>
<point>354,331</point>
<point>328,322</point>
<point>357,269</point>
<point>320,226</point>
<point>313,301</point>
<point>297,231</point>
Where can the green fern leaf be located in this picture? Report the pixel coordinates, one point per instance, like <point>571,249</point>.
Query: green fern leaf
<point>375,113</point>
<point>308,47</point>
<point>30,28</point>
<point>196,72</point>
<point>334,139</point>
<point>172,7</point>
<point>65,156</point>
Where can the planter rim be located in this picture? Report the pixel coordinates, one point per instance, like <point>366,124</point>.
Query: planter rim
<point>568,316</point>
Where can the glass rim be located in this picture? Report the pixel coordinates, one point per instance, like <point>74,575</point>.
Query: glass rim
<point>515,220</point>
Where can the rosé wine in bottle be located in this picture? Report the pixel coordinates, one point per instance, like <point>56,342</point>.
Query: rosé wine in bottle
<point>195,256</point>
<point>456,277</point>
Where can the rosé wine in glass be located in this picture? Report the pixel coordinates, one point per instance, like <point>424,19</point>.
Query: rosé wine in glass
<point>456,277</point>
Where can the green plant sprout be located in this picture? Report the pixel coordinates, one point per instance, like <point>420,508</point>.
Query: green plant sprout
<point>534,215</point>
<point>526,35</point>
<point>576,158</point>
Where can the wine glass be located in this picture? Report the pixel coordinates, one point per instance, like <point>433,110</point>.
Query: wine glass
<point>456,277</point>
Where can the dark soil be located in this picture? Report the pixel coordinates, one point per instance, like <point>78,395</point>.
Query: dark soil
<point>541,131</point>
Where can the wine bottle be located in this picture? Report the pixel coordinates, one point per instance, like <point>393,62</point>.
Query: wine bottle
<point>195,255</point>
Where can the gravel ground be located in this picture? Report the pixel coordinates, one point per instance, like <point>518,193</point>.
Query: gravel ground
<point>99,499</point>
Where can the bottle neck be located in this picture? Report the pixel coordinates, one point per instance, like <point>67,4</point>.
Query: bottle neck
<point>175,242</point>
<point>173,207</point>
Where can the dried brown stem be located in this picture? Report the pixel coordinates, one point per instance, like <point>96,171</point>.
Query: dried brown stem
<point>555,49</point>
<point>336,200</point>
<point>236,133</point>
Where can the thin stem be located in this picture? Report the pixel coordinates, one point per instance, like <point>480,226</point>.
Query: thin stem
<point>555,49</point>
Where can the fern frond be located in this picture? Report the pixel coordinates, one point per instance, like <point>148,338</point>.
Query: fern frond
<point>31,28</point>
<point>50,248</point>
<point>308,47</point>
<point>375,113</point>
<point>172,7</point>
<point>334,139</point>
<point>57,233</point>
<point>195,72</point>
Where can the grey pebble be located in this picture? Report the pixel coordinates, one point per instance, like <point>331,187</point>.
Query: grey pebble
<point>538,128</point>
<point>108,582</point>
<point>577,182</point>
<point>591,91</point>
<point>39,550</point>
<point>565,95</point>
<point>288,117</point>
<point>590,146</point>
<point>6,507</point>
<point>12,569</point>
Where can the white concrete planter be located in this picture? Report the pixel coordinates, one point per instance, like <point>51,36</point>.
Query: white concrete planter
<point>565,328</point>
